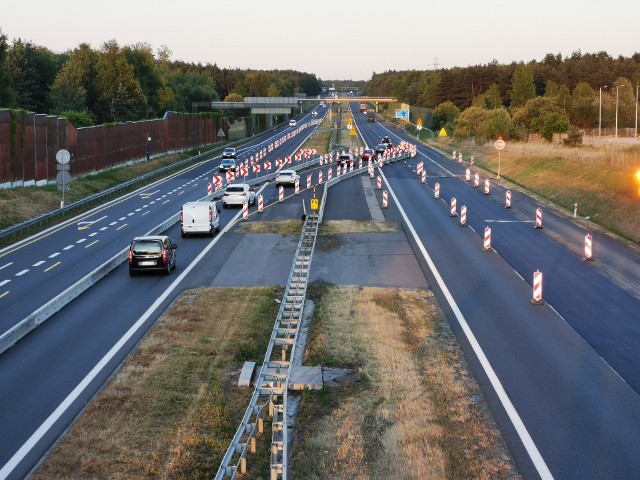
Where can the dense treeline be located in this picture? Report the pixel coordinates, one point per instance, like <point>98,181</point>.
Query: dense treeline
<point>113,83</point>
<point>545,97</point>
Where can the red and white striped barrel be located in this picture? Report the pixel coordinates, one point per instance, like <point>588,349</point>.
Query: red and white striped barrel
<point>338,170</point>
<point>487,187</point>
<point>538,218</point>
<point>472,159</point>
<point>537,288</point>
<point>460,157</point>
<point>420,168</point>
<point>507,199</point>
<point>379,182</point>
<point>308,181</point>
<point>360,163</point>
<point>280,193</point>
<point>297,186</point>
<point>209,189</point>
<point>588,251</point>
<point>454,208</point>
<point>329,174</point>
<point>320,177</point>
<point>424,176</point>
<point>453,155</point>
<point>260,203</point>
<point>351,166</point>
<point>487,239</point>
<point>467,175</point>
<point>476,180</point>
<point>463,215</point>
<point>384,199</point>
<point>245,210</point>
<point>436,190</point>
<point>320,161</point>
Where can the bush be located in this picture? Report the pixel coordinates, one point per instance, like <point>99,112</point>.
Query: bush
<point>574,137</point>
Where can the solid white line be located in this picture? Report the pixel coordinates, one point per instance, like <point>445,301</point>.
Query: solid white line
<point>24,450</point>
<point>4,282</point>
<point>37,264</point>
<point>517,422</point>
<point>7,265</point>
<point>19,274</point>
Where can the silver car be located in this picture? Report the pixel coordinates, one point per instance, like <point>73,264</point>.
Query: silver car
<point>287,177</point>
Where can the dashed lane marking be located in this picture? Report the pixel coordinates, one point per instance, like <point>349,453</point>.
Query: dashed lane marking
<point>19,274</point>
<point>37,264</point>
<point>4,282</point>
<point>4,294</point>
<point>7,265</point>
<point>54,255</point>
<point>68,247</point>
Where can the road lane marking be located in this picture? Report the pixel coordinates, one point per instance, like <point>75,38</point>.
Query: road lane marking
<point>4,282</point>
<point>54,255</point>
<point>130,214</point>
<point>516,421</point>
<point>146,213</point>
<point>92,243</point>
<point>82,240</point>
<point>4,294</point>
<point>122,218</point>
<point>19,274</point>
<point>52,266</point>
<point>93,234</point>
<point>68,247</point>
<point>166,201</point>
<point>138,209</point>
<point>37,264</point>
<point>88,223</point>
<point>7,265</point>
<point>121,226</point>
<point>180,193</point>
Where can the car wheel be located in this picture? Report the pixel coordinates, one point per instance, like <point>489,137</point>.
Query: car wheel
<point>167,269</point>
<point>132,273</point>
<point>183,234</point>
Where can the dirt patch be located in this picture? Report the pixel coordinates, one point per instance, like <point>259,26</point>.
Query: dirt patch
<point>284,227</point>
<point>331,227</point>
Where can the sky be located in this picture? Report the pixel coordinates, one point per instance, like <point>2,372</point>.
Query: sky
<point>334,39</point>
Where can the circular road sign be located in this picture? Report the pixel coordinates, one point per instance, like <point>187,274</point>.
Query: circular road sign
<point>499,144</point>
<point>63,156</point>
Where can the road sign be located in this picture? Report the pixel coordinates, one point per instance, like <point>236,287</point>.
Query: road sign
<point>353,131</point>
<point>499,144</point>
<point>402,113</point>
<point>63,178</point>
<point>221,133</point>
<point>62,166</point>
<point>442,133</point>
<point>419,122</point>
<point>63,156</point>
<point>314,204</point>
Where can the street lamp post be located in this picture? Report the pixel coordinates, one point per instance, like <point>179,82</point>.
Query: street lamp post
<point>617,88</point>
<point>600,113</point>
<point>148,147</point>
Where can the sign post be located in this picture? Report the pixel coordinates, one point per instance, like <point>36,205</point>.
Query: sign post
<point>499,145</point>
<point>62,157</point>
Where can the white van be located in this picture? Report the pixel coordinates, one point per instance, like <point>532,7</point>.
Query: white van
<point>199,217</point>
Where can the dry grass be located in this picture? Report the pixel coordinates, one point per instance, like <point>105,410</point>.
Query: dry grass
<point>283,227</point>
<point>332,227</point>
<point>417,413</point>
<point>565,176</point>
<point>322,137</point>
<point>174,407</point>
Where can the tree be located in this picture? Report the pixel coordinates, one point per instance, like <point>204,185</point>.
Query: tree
<point>554,122</point>
<point>233,97</point>
<point>7,94</point>
<point>522,87</point>
<point>74,88</point>
<point>470,122</point>
<point>445,116</point>
<point>584,106</point>
<point>532,115</point>
<point>498,124</point>
<point>146,71</point>
<point>78,118</point>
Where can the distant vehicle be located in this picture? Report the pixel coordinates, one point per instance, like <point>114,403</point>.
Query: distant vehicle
<point>322,104</point>
<point>227,164</point>
<point>385,139</point>
<point>346,158</point>
<point>381,148</point>
<point>229,152</point>
<point>368,154</point>
<point>363,108</point>
<point>199,217</point>
<point>292,123</point>
<point>154,253</point>
<point>314,113</point>
<point>371,116</point>
<point>237,194</point>
<point>287,177</point>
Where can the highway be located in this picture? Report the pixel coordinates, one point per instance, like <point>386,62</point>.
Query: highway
<point>569,371</point>
<point>49,376</point>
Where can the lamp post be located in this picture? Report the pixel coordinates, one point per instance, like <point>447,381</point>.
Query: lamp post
<point>617,88</point>
<point>600,113</point>
<point>148,147</point>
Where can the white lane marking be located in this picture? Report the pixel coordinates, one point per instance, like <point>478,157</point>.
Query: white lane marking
<point>54,255</point>
<point>166,201</point>
<point>509,221</point>
<point>138,209</point>
<point>112,224</point>
<point>42,430</point>
<point>68,247</point>
<point>4,282</point>
<point>93,234</point>
<point>103,229</point>
<point>151,203</point>
<point>7,265</point>
<point>19,274</point>
<point>82,240</point>
<point>145,205</point>
<point>517,422</point>
<point>130,214</point>
<point>122,218</point>
<point>37,264</point>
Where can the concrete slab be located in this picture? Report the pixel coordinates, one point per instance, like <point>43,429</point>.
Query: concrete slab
<point>246,374</point>
<point>309,378</point>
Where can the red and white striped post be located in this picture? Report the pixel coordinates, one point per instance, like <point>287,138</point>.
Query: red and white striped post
<point>280,193</point>
<point>308,181</point>
<point>245,210</point>
<point>460,157</point>
<point>453,155</point>
<point>436,190</point>
<point>454,212</point>
<point>476,180</point>
<point>588,251</point>
<point>297,186</point>
<point>537,288</point>
<point>472,159</point>
<point>487,187</point>
<point>320,177</point>
<point>487,239</point>
<point>575,210</point>
<point>507,199</point>
<point>351,166</point>
<point>538,218</point>
<point>384,199</point>
<point>424,176</point>
<point>370,167</point>
<point>467,175</point>
<point>463,216</point>
<point>260,203</point>
<point>209,189</point>
<point>338,170</point>
<point>329,174</point>
<point>379,182</point>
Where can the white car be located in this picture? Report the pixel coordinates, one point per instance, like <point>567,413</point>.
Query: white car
<point>237,194</point>
<point>199,217</point>
<point>292,123</point>
<point>287,177</point>
<point>314,113</point>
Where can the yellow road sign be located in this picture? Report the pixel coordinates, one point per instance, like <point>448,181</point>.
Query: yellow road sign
<point>443,133</point>
<point>419,122</point>
<point>353,131</point>
<point>314,204</point>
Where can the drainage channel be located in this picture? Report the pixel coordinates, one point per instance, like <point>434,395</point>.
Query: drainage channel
<point>270,394</point>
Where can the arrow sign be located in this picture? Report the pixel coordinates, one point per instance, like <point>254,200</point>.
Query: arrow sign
<point>87,224</point>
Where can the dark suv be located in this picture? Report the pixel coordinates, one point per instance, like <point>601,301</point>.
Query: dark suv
<point>346,158</point>
<point>155,253</point>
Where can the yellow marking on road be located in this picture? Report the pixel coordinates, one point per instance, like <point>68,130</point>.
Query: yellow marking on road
<point>92,243</point>
<point>121,226</point>
<point>52,266</point>
<point>4,294</point>
<point>145,213</point>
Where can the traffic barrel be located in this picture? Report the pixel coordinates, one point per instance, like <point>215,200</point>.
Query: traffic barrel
<point>453,155</point>
<point>454,209</point>
<point>472,159</point>
<point>476,180</point>
<point>329,174</point>
<point>260,203</point>
<point>538,218</point>
<point>245,210</point>
<point>463,216</point>
<point>467,175</point>
<point>384,199</point>
<point>280,193</point>
<point>424,176</point>
<point>297,186</point>
<point>320,177</point>
<point>588,250</point>
<point>487,239</point>
<point>436,190</point>
<point>507,199</point>
<point>487,187</point>
<point>379,182</point>
<point>209,189</point>
<point>537,288</point>
<point>460,157</point>
<point>308,181</point>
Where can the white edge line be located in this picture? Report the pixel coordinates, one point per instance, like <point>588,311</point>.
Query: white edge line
<point>15,460</point>
<point>517,422</point>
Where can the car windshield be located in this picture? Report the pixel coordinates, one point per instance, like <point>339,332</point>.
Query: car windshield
<point>235,189</point>
<point>287,172</point>
<point>228,161</point>
<point>147,246</point>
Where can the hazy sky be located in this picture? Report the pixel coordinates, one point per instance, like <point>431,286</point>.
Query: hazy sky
<point>334,39</point>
